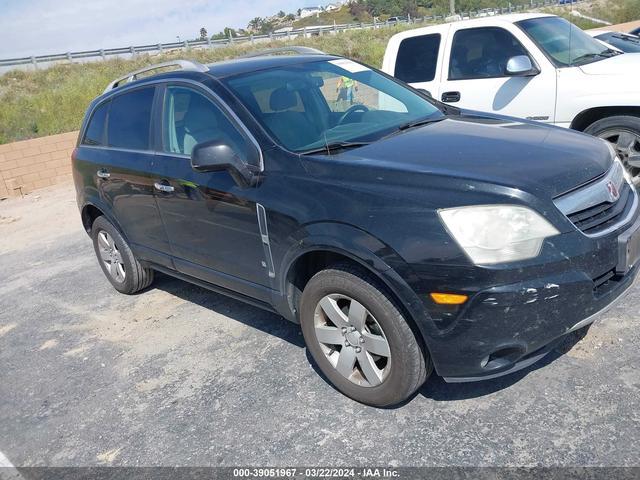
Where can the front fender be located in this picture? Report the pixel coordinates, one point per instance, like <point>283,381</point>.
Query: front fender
<point>364,249</point>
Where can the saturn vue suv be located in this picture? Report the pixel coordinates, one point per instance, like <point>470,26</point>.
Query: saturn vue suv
<point>403,235</point>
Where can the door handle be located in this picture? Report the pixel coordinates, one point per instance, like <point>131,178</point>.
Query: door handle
<point>102,173</point>
<point>451,97</point>
<point>163,187</point>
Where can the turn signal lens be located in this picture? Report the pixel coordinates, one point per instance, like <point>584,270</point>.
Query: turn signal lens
<point>448,298</point>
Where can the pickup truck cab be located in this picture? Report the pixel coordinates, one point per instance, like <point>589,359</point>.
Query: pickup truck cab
<point>533,66</point>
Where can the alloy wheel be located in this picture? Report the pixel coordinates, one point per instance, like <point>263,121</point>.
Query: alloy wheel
<point>352,340</point>
<point>627,145</point>
<point>111,256</point>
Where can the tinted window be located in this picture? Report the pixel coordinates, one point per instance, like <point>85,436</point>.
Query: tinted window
<point>308,105</point>
<point>95,129</point>
<point>563,42</point>
<point>417,58</point>
<point>130,119</point>
<point>482,53</point>
<point>191,118</point>
<point>626,43</point>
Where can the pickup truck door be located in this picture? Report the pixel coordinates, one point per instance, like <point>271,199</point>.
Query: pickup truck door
<point>416,59</point>
<point>473,73</point>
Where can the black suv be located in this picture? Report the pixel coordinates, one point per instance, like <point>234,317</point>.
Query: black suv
<point>403,235</point>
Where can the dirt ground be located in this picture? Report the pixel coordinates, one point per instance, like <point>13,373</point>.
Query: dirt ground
<point>178,375</point>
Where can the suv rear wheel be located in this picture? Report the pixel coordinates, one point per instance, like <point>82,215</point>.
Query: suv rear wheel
<point>623,131</point>
<point>359,339</point>
<point>116,259</point>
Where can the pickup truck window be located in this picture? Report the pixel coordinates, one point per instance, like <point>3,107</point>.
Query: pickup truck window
<point>482,53</point>
<point>191,118</point>
<point>130,119</point>
<point>96,128</point>
<point>308,105</point>
<point>417,58</point>
<point>564,43</point>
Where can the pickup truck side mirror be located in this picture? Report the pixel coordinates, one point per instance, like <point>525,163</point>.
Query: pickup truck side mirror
<point>521,66</point>
<point>215,155</point>
<point>426,92</point>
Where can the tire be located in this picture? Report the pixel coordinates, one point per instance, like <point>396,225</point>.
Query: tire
<point>623,131</point>
<point>397,375</point>
<point>117,260</point>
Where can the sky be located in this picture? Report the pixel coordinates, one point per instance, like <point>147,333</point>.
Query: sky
<point>38,27</point>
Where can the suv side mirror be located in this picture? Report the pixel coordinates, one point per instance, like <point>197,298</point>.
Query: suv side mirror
<point>215,155</point>
<point>521,66</point>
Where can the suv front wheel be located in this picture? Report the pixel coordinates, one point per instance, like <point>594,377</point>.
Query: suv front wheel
<point>359,339</point>
<point>116,259</point>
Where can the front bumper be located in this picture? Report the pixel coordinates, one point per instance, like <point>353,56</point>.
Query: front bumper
<point>508,326</point>
<point>537,355</point>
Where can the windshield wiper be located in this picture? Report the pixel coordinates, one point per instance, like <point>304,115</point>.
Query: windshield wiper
<point>415,123</point>
<point>606,54</point>
<point>330,148</point>
<point>418,123</point>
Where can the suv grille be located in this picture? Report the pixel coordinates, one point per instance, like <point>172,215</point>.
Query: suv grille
<point>601,206</point>
<point>596,219</point>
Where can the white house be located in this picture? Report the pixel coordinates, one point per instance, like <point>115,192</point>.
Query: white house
<point>332,7</point>
<point>308,11</point>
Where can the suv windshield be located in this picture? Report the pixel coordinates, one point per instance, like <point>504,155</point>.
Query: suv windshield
<point>332,102</point>
<point>563,42</point>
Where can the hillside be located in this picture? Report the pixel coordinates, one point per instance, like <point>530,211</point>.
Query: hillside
<point>53,100</point>
<point>341,16</point>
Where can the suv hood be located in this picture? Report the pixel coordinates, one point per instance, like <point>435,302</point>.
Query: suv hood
<point>543,160</point>
<point>625,64</point>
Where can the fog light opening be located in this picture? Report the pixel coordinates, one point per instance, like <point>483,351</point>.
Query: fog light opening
<point>503,357</point>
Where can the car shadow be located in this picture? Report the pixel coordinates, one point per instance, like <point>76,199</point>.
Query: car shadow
<point>273,324</point>
<point>254,317</point>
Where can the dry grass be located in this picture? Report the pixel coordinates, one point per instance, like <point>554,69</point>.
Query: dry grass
<point>53,100</point>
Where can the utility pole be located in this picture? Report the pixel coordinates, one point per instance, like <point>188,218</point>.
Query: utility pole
<point>452,6</point>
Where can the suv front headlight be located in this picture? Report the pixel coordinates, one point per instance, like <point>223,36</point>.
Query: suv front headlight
<point>491,234</point>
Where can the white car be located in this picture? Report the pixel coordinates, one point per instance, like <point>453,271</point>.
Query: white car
<point>534,66</point>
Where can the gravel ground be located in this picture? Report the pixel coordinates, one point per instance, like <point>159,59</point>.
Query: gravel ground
<point>178,375</point>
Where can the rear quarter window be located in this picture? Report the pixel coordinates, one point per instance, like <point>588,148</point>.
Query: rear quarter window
<point>96,128</point>
<point>417,58</point>
<point>129,121</point>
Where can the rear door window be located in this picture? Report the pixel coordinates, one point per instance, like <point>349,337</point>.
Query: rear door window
<point>482,53</point>
<point>96,129</point>
<point>130,119</point>
<point>417,58</point>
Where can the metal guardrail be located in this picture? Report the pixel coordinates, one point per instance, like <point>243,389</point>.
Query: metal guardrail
<point>286,35</point>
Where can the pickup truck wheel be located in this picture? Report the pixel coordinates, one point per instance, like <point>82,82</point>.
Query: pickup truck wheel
<point>623,132</point>
<point>359,339</point>
<point>117,260</point>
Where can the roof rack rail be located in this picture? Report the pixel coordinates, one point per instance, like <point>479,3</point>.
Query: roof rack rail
<point>183,64</point>
<point>294,49</point>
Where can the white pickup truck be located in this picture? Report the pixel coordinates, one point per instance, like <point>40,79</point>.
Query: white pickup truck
<point>534,66</point>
